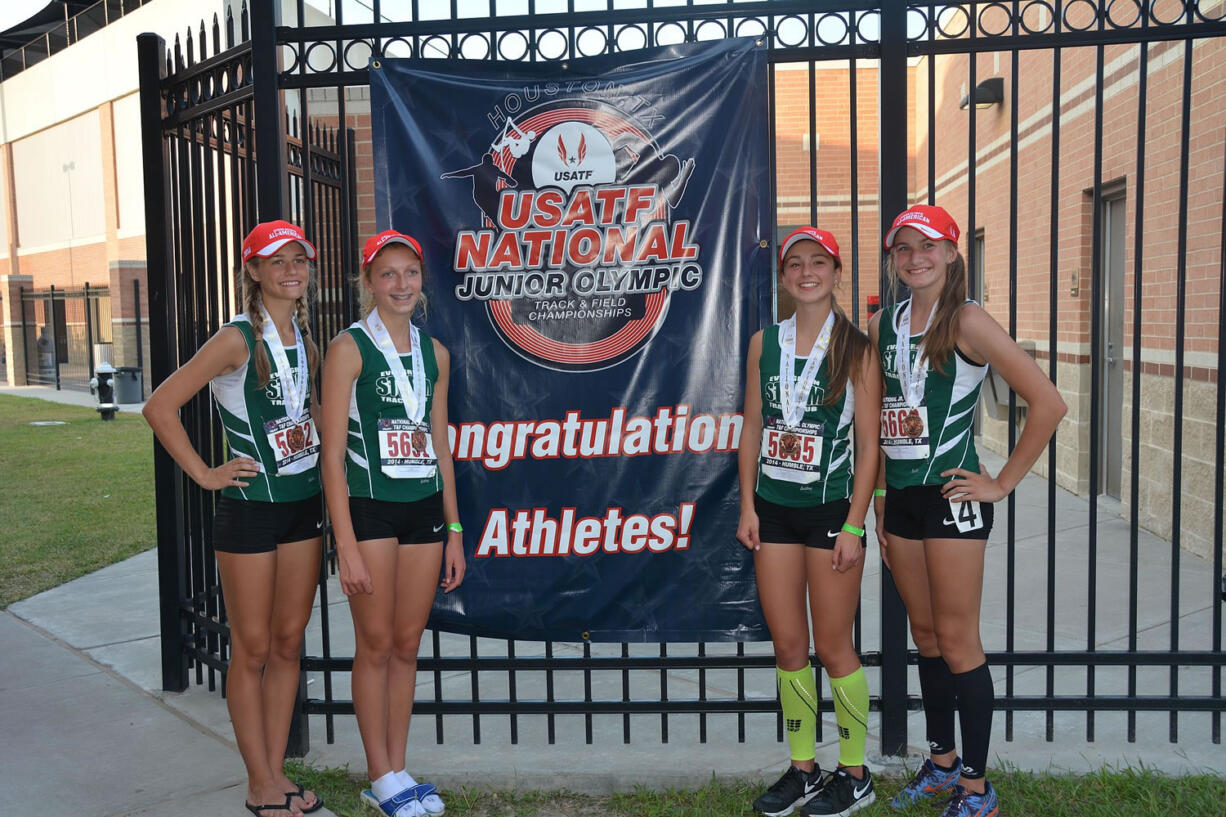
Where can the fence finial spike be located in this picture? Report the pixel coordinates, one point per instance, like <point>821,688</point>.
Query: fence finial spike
<point>229,26</point>
<point>216,35</point>
<point>245,18</point>
<point>178,54</point>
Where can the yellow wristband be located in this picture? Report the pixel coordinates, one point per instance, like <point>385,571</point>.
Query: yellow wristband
<point>850,528</point>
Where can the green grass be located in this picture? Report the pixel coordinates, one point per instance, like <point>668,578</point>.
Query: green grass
<point>1126,793</point>
<point>76,497</point>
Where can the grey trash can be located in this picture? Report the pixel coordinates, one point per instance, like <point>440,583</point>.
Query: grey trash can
<point>129,382</point>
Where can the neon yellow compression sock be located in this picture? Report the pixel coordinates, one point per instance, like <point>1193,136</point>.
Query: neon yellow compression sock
<point>850,695</point>
<point>798,697</point>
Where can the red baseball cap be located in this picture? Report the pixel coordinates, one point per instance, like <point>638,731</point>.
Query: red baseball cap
<point>270,236</point>
<point>378,242</point>
<point>825,239</point>
<point>929,219</point>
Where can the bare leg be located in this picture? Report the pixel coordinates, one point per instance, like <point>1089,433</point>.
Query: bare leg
<point>417,572</point>
<point>372,625</point>
<point>297,575</point>
<point>248,582</point>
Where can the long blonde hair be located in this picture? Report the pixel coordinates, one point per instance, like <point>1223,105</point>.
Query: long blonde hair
<point>366,301</point>
<point>942,336</point>
<point>302,316</point>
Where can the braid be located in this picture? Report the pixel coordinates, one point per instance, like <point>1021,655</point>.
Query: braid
<point>252,306</point>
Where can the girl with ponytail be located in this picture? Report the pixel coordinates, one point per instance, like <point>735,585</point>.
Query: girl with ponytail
<point>934,500</point>
<point>390,484</point>
<point>267,527</point>
<point>807,463</point>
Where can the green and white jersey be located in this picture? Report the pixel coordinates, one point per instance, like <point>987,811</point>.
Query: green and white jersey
<point>256,426</point>
<point>922,441</point>
<point>810,463</point>
<point>390,457</point>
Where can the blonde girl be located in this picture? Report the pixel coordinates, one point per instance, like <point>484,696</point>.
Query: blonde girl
<point>390,486</point>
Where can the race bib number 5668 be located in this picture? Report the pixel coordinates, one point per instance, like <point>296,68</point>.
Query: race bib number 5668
<point>904,429</point>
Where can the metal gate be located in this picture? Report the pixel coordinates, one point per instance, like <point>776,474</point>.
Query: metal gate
<point>210,173</point>
<point>65,331</point>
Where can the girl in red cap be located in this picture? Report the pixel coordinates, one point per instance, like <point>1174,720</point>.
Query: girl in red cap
<point>266,529</point>
<point>390,487</point>
<point>934,499</point>
<point>806,483</point>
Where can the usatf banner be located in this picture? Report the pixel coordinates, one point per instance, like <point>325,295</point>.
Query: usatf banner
<point>596,239</point>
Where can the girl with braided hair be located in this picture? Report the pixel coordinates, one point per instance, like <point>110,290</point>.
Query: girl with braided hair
<point>269,518</point>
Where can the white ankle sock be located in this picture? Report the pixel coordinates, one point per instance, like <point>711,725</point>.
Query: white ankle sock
<point>386,786</point>
<point>406,780</point>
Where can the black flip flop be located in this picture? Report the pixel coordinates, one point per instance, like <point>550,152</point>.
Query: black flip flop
<point>299,792</point>
<point>257,810</point>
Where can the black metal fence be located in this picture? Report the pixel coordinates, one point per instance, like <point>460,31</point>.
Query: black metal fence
<point>210,173</point>
<point>66,331</point>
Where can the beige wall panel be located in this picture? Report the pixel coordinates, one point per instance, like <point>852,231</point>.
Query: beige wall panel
<point>54,204</point>
<point>129,173</point>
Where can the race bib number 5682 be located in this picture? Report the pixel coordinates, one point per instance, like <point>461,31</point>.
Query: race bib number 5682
<point>295,445</point>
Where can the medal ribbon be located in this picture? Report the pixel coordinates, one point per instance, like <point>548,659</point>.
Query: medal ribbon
<point>912,382</point>
<point>794,391</point>
<point>293,390</point>
<point>412,393</point>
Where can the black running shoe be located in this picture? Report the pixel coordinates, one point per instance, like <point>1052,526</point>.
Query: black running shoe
<point>792,790</point>
<point>842,795</point>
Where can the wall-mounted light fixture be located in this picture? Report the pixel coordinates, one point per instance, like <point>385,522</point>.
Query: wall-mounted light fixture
<point>986,94</point>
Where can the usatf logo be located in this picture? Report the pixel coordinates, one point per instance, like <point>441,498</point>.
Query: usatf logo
<point>577,253</point>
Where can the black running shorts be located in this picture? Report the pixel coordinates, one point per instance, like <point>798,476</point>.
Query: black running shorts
<point>816,526</point>
<point>920,512</point>
<point>409,523</point>
<point>244,526</point>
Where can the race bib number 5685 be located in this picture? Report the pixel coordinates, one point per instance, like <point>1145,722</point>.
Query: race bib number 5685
<point>792,454</point>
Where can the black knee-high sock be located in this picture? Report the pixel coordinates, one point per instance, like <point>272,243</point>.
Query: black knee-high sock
<point>976,702</point>
<point>940,698</point>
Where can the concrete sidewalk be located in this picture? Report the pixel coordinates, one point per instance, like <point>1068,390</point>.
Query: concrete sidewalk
<point>80,696</point>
